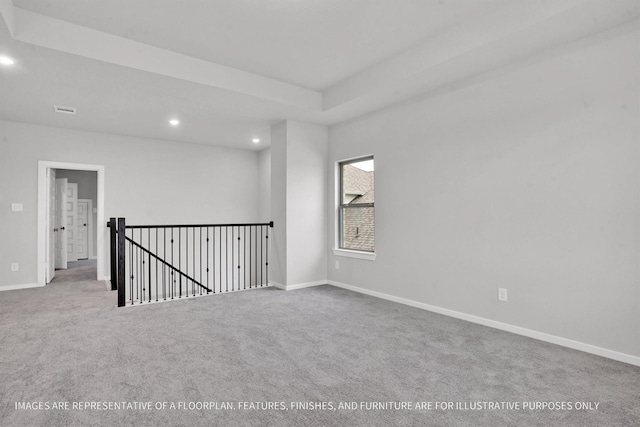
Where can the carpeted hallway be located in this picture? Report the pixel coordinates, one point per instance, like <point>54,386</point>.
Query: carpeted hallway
<point>77,271</point>
<point>67,342</point>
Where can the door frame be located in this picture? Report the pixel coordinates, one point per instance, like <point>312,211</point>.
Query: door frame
<point>43,215</point>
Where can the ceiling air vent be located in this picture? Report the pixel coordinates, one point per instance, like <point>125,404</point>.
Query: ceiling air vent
<point>65,110</point>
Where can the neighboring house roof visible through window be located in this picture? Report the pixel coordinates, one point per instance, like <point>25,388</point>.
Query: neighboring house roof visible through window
<point>358,184</point>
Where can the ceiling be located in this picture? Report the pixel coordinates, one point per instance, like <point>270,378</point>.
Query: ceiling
<point>308,43</point>
<point>229,69</point>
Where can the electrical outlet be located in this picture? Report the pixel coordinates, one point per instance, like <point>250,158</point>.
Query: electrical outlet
<point>15,266</point>
<point>502,294</point>
<point>337,265</point>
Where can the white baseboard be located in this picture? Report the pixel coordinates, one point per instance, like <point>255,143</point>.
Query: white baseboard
<point>277,285</point>
<point>25,286</point>
<point>297,285</point>
<point>565,342</point>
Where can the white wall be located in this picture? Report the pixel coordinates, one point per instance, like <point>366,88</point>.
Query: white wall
<point>278,240</point>
<point>146,181</point>
<point>529,182</point>
<point>264,185</point>
<point>307,146</point>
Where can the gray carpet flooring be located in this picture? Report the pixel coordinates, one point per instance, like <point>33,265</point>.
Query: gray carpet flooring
<point>77,271</point>
<point>67,342</point>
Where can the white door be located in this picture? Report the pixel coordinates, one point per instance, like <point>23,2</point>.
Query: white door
<point>82,229</point>
<point>52,228</point>
<point>72,220</point>
<point>61,223</point>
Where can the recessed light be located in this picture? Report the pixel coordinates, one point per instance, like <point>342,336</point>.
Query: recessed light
<point>255,140</point>
<point>5,60</point>
<point>174,122</point>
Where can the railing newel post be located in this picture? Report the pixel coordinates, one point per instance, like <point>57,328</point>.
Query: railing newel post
<point>121,261</point>
<point>113,242</point>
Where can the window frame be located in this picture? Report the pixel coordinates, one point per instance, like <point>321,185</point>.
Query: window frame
<point>341,206</point>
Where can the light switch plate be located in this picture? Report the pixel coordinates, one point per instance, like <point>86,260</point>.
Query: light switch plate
<point>16,207</point>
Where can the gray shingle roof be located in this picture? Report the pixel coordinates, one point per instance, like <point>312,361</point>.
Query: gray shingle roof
<point>357,181</point>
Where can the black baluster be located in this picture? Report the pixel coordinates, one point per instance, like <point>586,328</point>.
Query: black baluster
<point>179,262</point>
<point>149,261</point>
<point>149,258</point>
<point>141,268</point>
<point>157,253</point>
<point>208,285</point>
<point>136,266</point>
<point>164,268</point>
<point>131,270</point>
<point>186,258</point>
<point>267,250</point>
<point>213,259</point>
<point>226,257</point>
<point>137,271</point>
<point>172,279</point>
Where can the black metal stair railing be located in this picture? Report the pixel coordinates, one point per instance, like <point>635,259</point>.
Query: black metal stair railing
<point>152,263</point>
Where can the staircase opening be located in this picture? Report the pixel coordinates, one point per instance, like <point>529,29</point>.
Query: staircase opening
<point>153,263</point>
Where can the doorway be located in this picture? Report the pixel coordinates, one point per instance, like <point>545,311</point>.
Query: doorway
<point>74,218</point>
<point>69,231</point>
<point>76,271</point>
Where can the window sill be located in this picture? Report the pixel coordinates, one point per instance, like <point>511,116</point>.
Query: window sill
<point>370,256</point>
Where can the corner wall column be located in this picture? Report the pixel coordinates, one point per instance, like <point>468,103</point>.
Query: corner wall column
<point>299,180</point>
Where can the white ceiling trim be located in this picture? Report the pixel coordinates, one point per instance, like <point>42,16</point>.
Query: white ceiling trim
<point>493,40</point>
<point>496,41</point>
<point>41,30</point>
<point>465,71</point>
<point>6,9</point>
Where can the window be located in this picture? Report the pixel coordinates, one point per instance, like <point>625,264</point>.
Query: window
<point>356,205</point>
